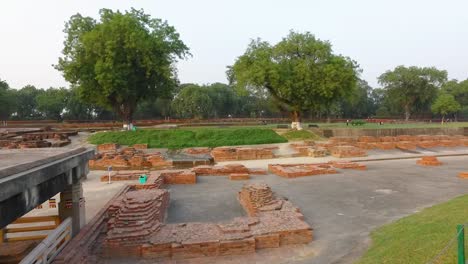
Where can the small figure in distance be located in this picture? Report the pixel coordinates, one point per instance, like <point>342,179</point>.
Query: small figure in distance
<point>347,122</point>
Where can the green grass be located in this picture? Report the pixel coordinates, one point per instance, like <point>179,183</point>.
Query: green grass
<point>406,125</point>
<point>182,138</point>
<point>300,135</point>
<point>419,237</point>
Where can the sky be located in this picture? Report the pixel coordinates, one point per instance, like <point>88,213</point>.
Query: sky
<point>378,34</point>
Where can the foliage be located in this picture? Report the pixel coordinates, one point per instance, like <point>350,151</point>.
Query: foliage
<point>6,100</point>
<point>358,122</point>
<point>300,135</point>
<point>300,72</point>
<point>52,103</point>
<point>419,237</point>
<point>445,104</point>
<point>193,102</point>
<point>413,86</point>
<point>182,138</point>
<point>124,57</point>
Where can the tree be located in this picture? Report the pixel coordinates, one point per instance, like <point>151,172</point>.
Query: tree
<point>300,72</point>
<point>26,103</point>
<point>193,101</point>
<point>52,103</point>
<point>445,104</point>
<point>359,104</point>
<point>76,108</point>
<point>412,86</point>
<point>7,103</point>
<point>224,99</point>
<point>121,59</point>
<point>459,90</point>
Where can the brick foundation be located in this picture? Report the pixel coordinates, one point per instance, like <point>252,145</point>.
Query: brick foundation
<point>241,153</point>
<point>129,159</point>
<point>463,175</point>
<point>300,170</point>
<point>347,152</point>
<point>429,161</point>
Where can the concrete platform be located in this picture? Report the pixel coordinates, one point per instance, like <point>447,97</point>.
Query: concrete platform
<point>18,160</point>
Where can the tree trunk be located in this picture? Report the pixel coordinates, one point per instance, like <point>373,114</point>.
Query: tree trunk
<point>407,112</point>
<point>125,111</point>
<point>296,120</point>
<point>443,117</point>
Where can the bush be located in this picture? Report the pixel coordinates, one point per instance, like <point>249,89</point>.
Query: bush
<point>358,122</point>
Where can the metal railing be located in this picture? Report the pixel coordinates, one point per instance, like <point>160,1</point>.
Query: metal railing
<point>49,248</point>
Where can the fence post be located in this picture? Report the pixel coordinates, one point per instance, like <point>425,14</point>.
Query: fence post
<point>461,244</point>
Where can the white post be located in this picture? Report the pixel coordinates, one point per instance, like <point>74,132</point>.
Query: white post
<point>109,169</point>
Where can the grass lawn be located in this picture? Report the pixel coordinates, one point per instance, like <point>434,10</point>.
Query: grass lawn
<point>419,237</point>
<point>300,135</point>
<point>409,125</point>
<point>187,137</point>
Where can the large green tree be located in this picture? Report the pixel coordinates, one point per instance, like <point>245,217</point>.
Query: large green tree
<point>410,87</point>
<point>300,72</point>
<point>52,103</point>
<point>124,57</point>
<point>26,103</point>
<point>445,104</point>
<point>193,101</point>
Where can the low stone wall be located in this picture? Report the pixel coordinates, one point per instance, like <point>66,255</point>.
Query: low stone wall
<point>356,132</point>
<point>241,153</point>
<point>302,170</point>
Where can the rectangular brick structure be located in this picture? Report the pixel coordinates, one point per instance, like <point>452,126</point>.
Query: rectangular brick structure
<point>239,176</point>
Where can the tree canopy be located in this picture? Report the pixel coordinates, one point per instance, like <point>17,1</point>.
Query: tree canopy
<point>300,72</point>
<point>412,86</point>
<point>445,104</point>
<point>120,59</point>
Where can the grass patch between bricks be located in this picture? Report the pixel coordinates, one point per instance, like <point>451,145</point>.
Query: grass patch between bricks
<point>419,237</point>
<point>183,138</point>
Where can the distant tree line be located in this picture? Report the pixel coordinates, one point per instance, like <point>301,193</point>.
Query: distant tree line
<point>220,100</point>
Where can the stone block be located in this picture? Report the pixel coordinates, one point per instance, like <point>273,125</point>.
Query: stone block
<point>239,176</point>
<point>267,241</point>
<point>107,147</point>
<point>347,151</point>
<point>237,247</point>
<point>156,251</point>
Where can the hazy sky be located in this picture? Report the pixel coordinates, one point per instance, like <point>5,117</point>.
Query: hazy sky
<point>378,34</point>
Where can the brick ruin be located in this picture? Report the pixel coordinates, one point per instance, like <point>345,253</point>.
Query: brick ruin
<point>301,170</point>
<point>463,175</point>
<point>242,153</point>
<point>357,146</point>
<point>347,152</point>
<point>127,159</point>
<point>186,176</point>
<point>132,225</point>
<point>42,139</point>
<point>429,161</point>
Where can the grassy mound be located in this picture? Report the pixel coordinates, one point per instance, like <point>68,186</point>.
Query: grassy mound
<point>300,135</point>
<point>419,237</point>
<point>183,138</point>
